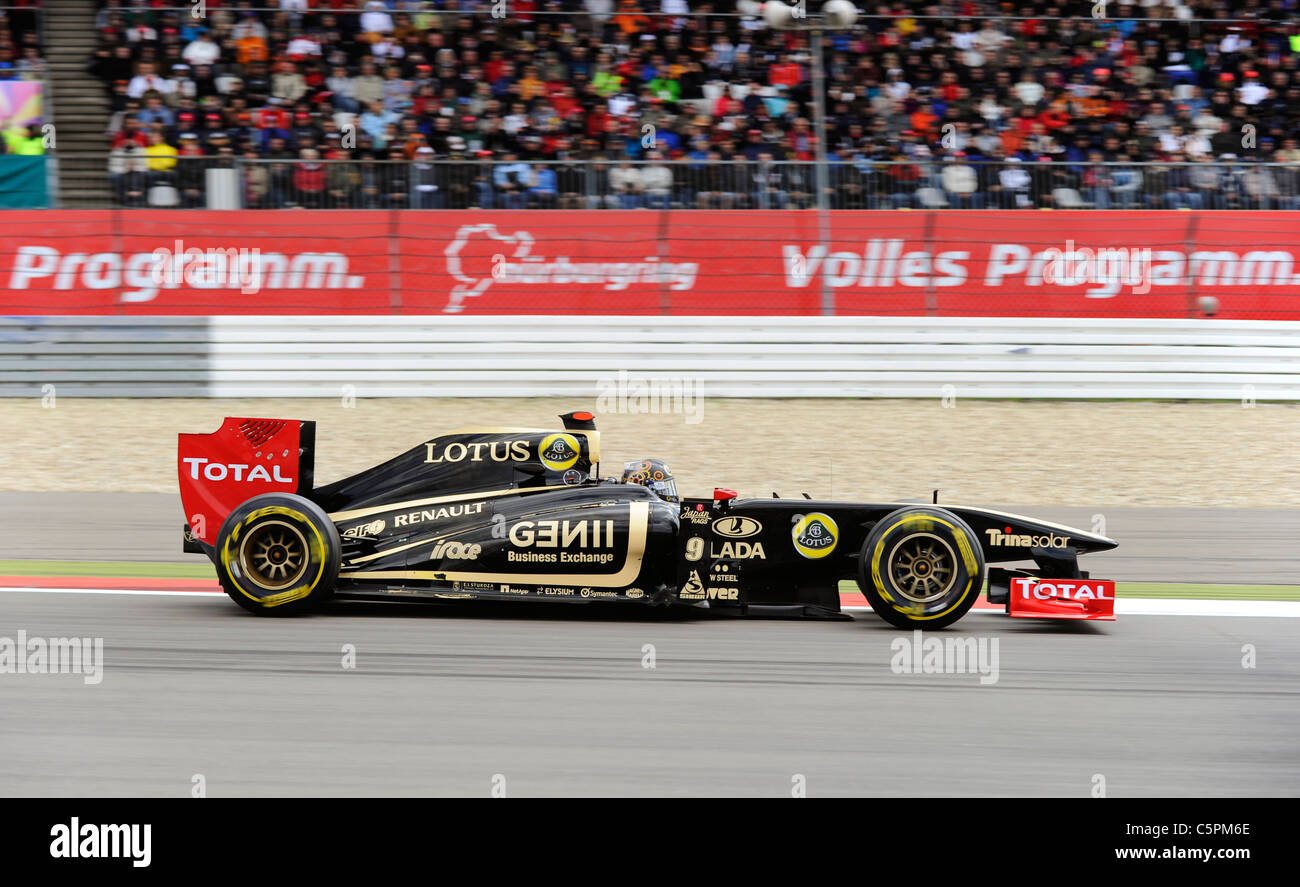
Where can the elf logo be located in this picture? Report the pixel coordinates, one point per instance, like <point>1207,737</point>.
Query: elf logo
<point>364,531</point>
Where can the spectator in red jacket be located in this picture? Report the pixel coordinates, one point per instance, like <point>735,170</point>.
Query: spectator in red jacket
<point>309,179</point>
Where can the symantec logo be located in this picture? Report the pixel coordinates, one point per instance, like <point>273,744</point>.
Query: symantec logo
<point>480,256</point>
<point>214,267</point>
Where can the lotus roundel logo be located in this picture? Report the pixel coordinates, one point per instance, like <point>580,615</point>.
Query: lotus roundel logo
<point>737,527</point>
<point>559,451</point>
<point>815,535</point>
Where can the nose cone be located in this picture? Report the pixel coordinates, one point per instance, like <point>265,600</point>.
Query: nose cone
<point>1090,542</point>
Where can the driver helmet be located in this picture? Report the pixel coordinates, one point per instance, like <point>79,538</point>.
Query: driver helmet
<point>652,473</point>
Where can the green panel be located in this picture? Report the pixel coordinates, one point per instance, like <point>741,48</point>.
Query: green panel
<point>22,182</point>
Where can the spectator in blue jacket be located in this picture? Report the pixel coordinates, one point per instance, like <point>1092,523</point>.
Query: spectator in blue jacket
<point>511,180</point>
<point>542,193</point>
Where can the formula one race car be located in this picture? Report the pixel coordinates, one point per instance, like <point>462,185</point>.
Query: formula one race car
<point>521,514</point>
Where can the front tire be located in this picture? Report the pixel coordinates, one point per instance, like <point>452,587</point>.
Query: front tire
<point>278,554</point>
<point>921,567</point>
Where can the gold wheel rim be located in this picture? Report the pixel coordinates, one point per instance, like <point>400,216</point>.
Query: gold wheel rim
<point>274,555</point>
<point>923,567</point>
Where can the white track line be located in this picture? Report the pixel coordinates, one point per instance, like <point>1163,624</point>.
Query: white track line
<point>1123,606</point>
<point>131,591</point>
<point>1192,607</point>
<point>1141,606</point>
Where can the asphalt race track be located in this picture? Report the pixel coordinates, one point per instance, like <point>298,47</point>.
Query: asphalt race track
<point>442,700</point>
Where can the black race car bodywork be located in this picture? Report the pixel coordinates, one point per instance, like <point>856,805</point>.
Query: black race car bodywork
<point>521,514</point>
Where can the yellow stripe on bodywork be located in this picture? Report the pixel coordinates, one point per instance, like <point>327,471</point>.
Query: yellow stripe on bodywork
<point>338,516</point>
<point>638,530</point>
<point>387,551</point>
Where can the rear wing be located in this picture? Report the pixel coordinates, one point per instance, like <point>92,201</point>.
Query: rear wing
<point>241,459</point>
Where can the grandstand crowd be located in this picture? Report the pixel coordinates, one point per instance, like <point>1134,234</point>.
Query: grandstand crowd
<point>624,104</point>
<point>20,45</point>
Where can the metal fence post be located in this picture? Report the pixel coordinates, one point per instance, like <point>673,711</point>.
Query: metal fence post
<point>823,177</point>
<point>1189,247</point>
<point>395,261</point>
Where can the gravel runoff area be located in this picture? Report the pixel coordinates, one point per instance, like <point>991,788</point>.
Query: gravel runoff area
<point>1050,453</point>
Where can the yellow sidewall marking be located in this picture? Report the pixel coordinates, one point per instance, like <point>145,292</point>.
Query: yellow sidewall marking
<point>963,545</point>
<point>315,548</point>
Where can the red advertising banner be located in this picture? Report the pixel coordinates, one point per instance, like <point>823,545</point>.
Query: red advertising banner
<point>947,263</point>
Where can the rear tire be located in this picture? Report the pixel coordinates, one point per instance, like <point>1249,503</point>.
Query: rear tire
<point>278,554</point>
<point>921,567</point>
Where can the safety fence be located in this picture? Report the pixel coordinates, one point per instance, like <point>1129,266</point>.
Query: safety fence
<point>1229,265</point>
<point>309,179</point>
<point>620,363</point>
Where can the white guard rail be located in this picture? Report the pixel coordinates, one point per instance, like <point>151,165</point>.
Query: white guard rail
<point>486,356</point>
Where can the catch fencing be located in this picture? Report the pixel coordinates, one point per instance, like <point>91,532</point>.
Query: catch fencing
<point>855,182</point>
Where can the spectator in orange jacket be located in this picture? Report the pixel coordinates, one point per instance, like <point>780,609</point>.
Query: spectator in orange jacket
<point>251,49</point>
<point>630,20</point>
<point>923,120</point>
